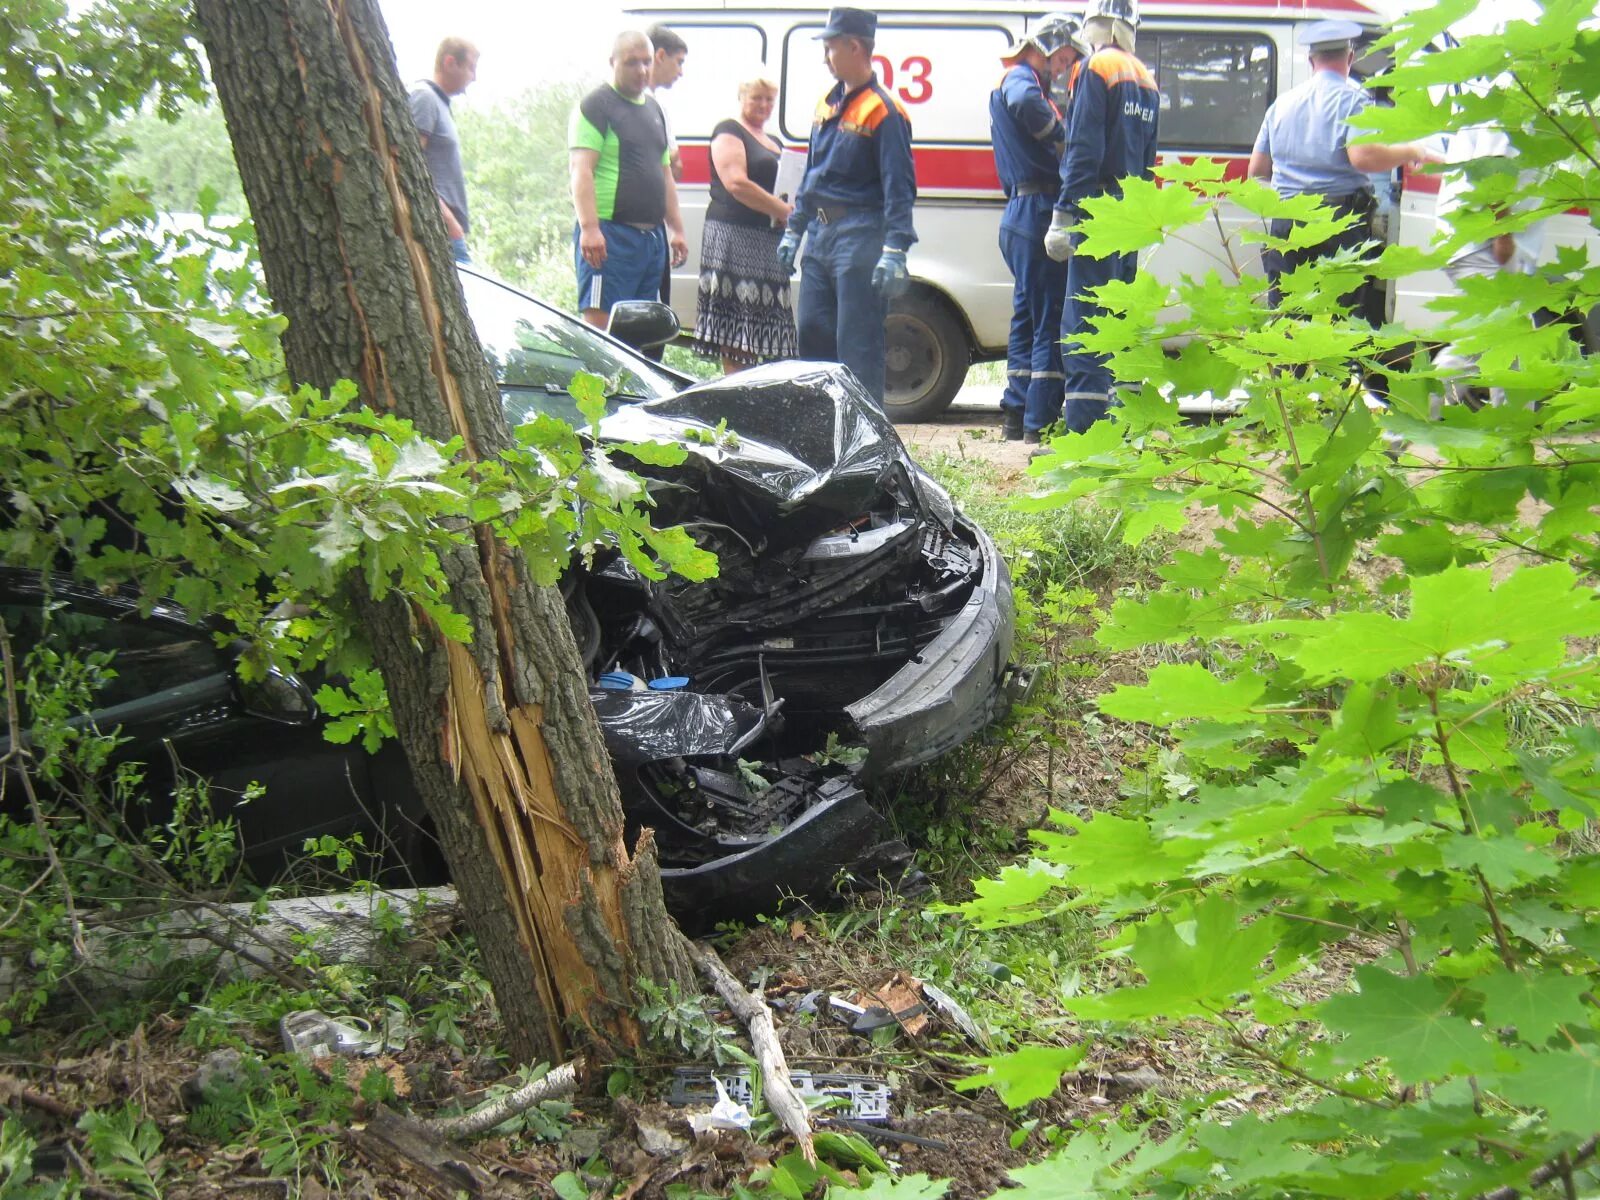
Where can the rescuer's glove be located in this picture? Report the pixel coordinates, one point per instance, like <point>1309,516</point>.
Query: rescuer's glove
<point>890,276</point>
<point>1058,238</point>
<point>788,250</point>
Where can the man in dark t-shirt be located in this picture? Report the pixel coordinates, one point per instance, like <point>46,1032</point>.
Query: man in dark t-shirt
<point>454,67</point>
<point>622,187</point>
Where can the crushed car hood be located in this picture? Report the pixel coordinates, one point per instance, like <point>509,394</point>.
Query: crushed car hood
<point>810,447</point>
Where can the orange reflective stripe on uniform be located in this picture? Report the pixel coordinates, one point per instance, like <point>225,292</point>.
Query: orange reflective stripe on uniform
<point>1115,66</point>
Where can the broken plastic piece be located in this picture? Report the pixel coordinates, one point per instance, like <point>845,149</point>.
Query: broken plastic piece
<point>311,1033</point>
<point>858,1097</point>
<point>945,1005</point>
<point>726,1113</point>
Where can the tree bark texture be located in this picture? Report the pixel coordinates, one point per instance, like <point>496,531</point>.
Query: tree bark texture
<point>503,743</point>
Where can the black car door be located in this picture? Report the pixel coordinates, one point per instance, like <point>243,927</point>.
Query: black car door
<point>176,701</point>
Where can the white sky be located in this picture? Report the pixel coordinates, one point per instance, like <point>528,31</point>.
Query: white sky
<point>523,44</point>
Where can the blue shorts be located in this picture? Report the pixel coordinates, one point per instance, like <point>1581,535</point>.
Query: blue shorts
<point>635,259</point>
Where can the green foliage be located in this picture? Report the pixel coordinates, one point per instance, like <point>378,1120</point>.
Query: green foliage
<point>182,163</point>
<point>17,1180</point>
<point>680,1023</point>
<point>125,1149</point>
<point>80,836</point>
<point>1025,1075</point>
<point>515,158</point>
<point>362,711</point>
<point>1347,773</point>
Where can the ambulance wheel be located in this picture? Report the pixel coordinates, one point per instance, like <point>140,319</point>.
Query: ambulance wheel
<point>928,356</point>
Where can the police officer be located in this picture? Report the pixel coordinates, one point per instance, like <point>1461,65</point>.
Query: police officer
<point>1302,149</point>
<point>1028,135</point>
<point>1111,136</point>
<point>855,198</point>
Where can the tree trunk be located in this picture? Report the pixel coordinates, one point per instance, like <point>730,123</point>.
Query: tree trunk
<point>503,744</point>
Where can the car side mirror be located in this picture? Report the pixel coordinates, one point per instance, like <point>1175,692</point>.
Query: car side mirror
<point>642,324</point>
<point>277,697</point>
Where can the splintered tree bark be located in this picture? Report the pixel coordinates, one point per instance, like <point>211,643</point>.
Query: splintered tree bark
<point>502,741</point>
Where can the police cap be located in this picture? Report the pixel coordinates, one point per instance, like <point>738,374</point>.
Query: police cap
<point>1327,36</point>
<point>850,22</point>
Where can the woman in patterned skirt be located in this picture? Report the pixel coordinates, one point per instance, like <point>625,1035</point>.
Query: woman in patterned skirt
<point>744,316</point>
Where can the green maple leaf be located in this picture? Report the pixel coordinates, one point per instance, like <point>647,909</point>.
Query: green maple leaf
<point>1407,1021</point>
<point>1505,862</point>
<point>1457,614</point>
<point>1536,1003</point>
<point>1116,851</point>
<point>1013,898</point>
<point>1025,1075</point>
<point>1565,1083</point>
<point>1144,216</point>
<point>1166,616</point>
<point>1180,691</point>
<point>907,1187</point>
<point>1075,1171</point>
<point>1191,969</point>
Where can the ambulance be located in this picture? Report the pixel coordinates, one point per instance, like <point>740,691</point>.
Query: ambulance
<point>1219,64</point>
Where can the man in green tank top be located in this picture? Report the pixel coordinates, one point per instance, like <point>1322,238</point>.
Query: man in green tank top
<point>628,224</point>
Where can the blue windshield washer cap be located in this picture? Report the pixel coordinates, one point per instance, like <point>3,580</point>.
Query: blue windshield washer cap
<point>669,683</point>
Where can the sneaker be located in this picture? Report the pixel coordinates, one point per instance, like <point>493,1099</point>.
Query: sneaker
<point>1011,424</point>
<point>1031,437</point>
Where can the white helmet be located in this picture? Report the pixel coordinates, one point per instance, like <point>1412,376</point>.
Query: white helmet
<point>1121,10</point>
<point>1054,32</point>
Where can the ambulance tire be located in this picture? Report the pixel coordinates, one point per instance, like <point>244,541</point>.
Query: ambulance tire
<point>928,356</point>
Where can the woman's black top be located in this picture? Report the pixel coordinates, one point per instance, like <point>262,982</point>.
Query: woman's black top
<point>760,164</point>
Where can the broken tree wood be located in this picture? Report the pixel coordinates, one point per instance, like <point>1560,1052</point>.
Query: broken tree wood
<point>562,1081</point>
<point>776,1088</point>
<point>420,1162</point>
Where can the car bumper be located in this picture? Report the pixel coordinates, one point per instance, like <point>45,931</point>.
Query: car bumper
<point>954,687</point>
<point>842,833</point>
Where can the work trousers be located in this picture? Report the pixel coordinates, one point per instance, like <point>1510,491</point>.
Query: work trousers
<point>1366,301</point>
<point>1038,293</point>
<point>1088,376</point>
<point>841,313</point>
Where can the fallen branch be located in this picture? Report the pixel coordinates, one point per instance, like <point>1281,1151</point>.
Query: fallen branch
<point>1551,1170</point>
<point>778,1092</point>
<point>560,1082</point>
<point>416,1161</point>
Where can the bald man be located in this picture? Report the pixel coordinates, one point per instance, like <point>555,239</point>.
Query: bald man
<point>622,187</point>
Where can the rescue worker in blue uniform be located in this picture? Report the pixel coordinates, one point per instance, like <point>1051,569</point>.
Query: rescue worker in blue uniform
<point>1302,150</point>
<point>1028,134</point>
<point>855,199</point>
<point>1111,136</point>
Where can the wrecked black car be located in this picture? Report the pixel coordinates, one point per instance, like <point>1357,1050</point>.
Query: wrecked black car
<point>858,626</point>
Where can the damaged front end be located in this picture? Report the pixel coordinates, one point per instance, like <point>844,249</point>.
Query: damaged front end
<point>857,626</point>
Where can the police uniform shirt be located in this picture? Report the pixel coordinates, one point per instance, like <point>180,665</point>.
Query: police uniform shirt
<point>1305,133</point>
<point>1026,129</point>
<point>860,157</point>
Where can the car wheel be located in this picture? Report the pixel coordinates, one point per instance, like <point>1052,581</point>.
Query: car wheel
<point>928,355</point>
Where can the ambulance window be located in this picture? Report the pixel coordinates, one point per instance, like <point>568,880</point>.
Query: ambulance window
<point>942,74</point>
<point>1215,88</point>
<point>720,58</point>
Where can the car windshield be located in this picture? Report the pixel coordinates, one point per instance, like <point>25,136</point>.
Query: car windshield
<point>535,351</point>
